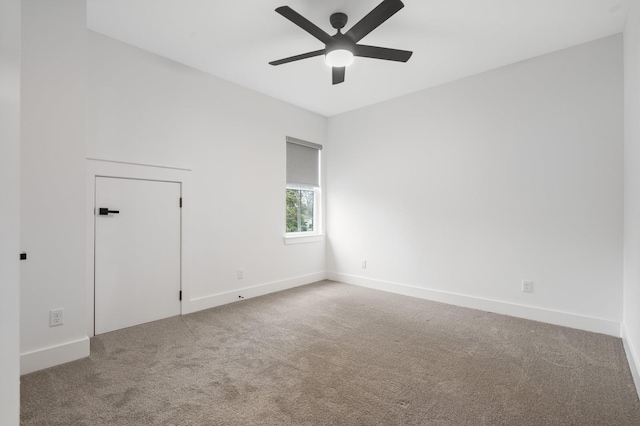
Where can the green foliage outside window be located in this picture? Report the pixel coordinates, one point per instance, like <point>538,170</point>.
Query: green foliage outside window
<point>300,210</point>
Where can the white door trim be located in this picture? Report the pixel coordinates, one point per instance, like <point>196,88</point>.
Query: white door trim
<point>102,168</point>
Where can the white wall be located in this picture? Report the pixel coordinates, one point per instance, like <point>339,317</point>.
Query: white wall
<point>149,110</point>
<point>52,181</point>
<point>459,192</point>
<point>631,321</point>
<point>9,211</point>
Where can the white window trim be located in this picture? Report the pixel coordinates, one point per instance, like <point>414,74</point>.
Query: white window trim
<point>303,238</point>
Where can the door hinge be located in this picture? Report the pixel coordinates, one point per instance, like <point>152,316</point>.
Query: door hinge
<point>180,202</point>
<point>180,295</point>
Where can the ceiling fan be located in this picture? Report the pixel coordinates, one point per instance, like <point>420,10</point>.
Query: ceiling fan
<point>341,48</point>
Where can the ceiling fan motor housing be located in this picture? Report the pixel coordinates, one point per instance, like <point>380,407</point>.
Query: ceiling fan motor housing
<point>338,20</point>
<point>341,41</point>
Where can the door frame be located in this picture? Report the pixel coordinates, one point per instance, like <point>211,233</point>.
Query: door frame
<point>114,169</point>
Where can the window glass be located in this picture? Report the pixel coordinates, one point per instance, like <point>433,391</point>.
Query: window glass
<point>300,210</point>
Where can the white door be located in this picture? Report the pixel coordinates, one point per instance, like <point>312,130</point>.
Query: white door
<point>137,252</point>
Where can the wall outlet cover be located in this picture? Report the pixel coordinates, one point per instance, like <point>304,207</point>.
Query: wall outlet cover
<point>56,317</point>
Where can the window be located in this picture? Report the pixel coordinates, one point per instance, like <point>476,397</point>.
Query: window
<point>303,188</point>
<point>300,210</point>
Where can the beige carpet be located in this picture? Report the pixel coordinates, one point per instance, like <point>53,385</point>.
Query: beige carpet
<point>334,354</point>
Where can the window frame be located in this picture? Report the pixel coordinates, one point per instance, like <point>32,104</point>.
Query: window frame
<point>307,236</point>
<point>313,213</point>
<point>318,231</point>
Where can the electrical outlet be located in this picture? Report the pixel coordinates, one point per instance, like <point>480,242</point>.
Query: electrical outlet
<point>240,273</point>
<point>527,286</point>
<point>56,317</point>
<point>363,263</point>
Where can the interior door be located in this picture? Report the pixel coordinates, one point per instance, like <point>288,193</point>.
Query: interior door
<point>137,252</point>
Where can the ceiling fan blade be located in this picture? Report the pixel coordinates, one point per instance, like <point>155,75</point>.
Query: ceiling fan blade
<point>338,74</point>
<point>298,57</point>
<point>382,53</point>
<point>304,23</point>
<point>377,16</point>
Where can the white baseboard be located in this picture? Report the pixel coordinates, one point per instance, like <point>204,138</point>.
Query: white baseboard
<point>219,299</point>
<point>565,319</point>
<point>632,357</point>
<point>54,355</point>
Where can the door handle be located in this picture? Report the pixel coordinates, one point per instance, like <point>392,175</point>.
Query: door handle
<point>104,211</point>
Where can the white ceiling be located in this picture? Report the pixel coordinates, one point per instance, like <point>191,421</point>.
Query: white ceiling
<point>451,39</point>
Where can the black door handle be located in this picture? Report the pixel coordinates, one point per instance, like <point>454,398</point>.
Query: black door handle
<point>104,211</point>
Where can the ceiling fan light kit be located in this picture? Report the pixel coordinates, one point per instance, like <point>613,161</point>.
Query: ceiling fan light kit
<point>340,48</point>
<point>339,58</point>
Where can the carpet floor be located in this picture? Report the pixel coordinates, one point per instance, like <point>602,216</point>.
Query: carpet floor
<point>335,354</point>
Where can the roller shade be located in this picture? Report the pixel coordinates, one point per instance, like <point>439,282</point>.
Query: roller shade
<point>303,162</point>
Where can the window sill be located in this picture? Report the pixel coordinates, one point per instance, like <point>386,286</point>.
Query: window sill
<point>303,239</point>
